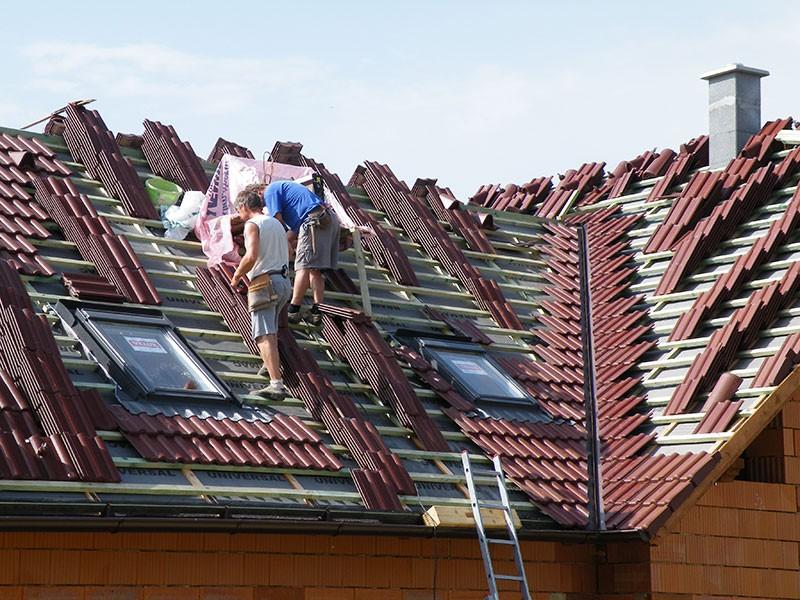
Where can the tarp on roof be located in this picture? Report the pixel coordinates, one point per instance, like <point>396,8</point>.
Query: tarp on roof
<point>233,174</point>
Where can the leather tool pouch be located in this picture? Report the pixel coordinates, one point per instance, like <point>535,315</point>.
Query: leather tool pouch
<point>320,218</point>
<point>260,293</point>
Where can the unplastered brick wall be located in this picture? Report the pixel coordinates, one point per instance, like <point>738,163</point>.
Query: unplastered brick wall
<point>244,566</point>
<point>741,540</point>
<point>790,419</point>
<point>774,456</point>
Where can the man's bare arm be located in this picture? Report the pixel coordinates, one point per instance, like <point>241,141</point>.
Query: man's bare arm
<point>251,239</point>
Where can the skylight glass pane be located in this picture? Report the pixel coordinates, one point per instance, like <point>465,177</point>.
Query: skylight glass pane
<point>480,375</point>
<point>156,355</point>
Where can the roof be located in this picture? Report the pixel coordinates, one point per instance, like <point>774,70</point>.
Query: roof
<point>690,283</point>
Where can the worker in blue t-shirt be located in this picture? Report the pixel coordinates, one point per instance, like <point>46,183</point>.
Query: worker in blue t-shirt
<point>314,226</point>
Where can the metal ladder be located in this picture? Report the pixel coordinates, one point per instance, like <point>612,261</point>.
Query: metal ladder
<point>491,577</point>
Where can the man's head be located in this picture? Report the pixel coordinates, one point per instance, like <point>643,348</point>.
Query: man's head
<point>249,201</point>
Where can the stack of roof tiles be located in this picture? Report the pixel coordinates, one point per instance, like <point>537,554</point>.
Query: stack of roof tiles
<point>172,158</point>
<point>647,165</point>
<point>129,140</point>
<point>90,142</point>
<point>381,243</point>
<point>223,147</point>
<point>393,197</point>
<point>447,208</point>
<point>731,283</point>
<point>381,476</point>
<point>718,226</point>
<point>740,332</point>
<point>778,366</point>
<point>110,253</point>
<point>514,198</point>
<point>570,189</point>
<point>22,219</point>
<point>280,441</point>
<point>463,327</point>
<point>692,155</point>
<point>90,286</point>
<point>354,337</point>
<point>19,155</point>
<point>48,431</point>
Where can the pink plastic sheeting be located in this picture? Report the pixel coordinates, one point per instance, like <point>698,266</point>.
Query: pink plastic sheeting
<point>233,174</point>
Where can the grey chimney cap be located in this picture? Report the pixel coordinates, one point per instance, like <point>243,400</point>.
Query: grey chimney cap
<point>734,68</point>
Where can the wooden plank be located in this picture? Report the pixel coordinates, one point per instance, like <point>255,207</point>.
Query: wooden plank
<point>457,517</point>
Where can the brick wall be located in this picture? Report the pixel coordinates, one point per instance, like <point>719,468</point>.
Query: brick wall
<point>790,419</point>
<point>200,566</point>
<point>742,540</point>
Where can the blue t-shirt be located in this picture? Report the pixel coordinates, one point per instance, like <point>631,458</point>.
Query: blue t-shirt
<point>292,200</point>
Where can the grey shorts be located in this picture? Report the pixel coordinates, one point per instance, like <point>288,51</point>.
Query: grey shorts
<point>323,253</point>
<point>265,321</point>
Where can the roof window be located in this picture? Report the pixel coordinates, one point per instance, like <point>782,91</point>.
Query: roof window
<point>473,372</point>
<point>143,353</point>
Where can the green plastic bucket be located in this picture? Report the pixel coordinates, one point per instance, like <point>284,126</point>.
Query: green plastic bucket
<point>162,192</point>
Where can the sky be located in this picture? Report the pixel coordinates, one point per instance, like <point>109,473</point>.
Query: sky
<point>467,92</point>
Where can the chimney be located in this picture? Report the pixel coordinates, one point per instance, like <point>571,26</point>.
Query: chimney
<point>734,110</point>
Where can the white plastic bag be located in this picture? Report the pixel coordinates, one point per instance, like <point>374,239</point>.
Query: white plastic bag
<point>180,220</point>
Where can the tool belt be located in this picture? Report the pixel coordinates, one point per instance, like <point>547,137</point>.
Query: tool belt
<point>319,218</point>
<point>261,293</point>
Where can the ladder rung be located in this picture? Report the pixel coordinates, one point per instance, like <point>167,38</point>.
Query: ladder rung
<point>500,541</point>
<point>509,577</point>
<point>498,505</point>
<point>484,473</point>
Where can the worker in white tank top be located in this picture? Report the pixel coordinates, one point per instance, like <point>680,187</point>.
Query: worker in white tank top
<point>266,255</point>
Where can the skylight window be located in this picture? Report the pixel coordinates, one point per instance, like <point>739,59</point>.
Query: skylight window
<point>141,351</point>
<point>473,372</point>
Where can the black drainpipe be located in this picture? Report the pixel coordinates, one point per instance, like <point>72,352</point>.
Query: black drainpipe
<point>597,516</point>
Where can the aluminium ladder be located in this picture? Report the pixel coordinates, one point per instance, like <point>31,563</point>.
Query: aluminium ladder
<point>477,504</point>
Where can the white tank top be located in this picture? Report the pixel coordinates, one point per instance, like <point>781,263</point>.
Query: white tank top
<point>273,247</point>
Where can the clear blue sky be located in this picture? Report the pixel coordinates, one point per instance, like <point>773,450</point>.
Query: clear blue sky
<point>469,92</point>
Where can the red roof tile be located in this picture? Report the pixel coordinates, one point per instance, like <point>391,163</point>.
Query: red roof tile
<point>172,158</point>
<point>447,208</point>
<point>692,155</point>
<point>223,147</point>
<point>112,254</point>
<point>740,332</point>
<point>775,368</point>
<point>720,225</point>
<point>282,442</point>
<point>393,197</point>
<point>356,340</point>
<point>37,385</point>
<point>90,142</point>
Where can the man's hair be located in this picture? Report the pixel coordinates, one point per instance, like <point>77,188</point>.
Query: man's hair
<point>252,197</point>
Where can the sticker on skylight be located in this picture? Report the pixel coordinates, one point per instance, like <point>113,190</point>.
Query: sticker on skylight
<point>468,366</point>
<point>142,344</point>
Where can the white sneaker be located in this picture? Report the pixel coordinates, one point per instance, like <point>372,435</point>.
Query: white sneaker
<point>274,389</point>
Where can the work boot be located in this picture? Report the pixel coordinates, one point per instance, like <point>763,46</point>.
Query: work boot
<point>313,318</point>
<point>275,389</point>
<point>296,317</point>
